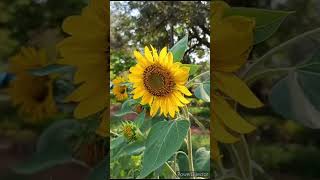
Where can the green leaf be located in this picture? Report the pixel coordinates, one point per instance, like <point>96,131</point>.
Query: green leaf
<point>193,68</point>
<point>272,63</point>
<point>179,49</point>
<point>140,119</point>
<point>52,68</point>
<point>134,148</point>
<point>297,97</point>
<point>101,171</point>
<point>124,149</point>
<point>126,107</point>
<point>183,163</point>
<point>116,142</point>
<point>164,139</point>
<point>267,21</point>
<point>52,148</point>
<point>203,92</point>
<point>202,160</point>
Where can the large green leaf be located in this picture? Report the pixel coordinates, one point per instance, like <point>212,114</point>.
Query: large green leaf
<point>116,142</point>
<point>52,68</point>
<point>179,49</point>
<point>193,68</point>
<point>203,92</point>
<point>140,119</point>
<point>267,21</point>
<point>126,107</point>
<point>297,95</point>
<point>164,139</point>
<point>52,149</point>
<point>281,59</point>
<point>202,160</point>
<point>101,171</point>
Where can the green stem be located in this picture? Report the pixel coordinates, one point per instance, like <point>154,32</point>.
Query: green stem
<point>189,142</point>
<point>246,148</point>
<point>197,122</point>
<point>220,168</point>
<point>170,168</point>
<point>190,157</point>
<point>238,161</point>
<point>272,72</point>
<point>113,133</point>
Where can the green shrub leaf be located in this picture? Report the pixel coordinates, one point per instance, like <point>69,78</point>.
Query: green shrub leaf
<point>202,160</point>
<point>126,107</point>
<point>193,68</point>
<point>179,49</point>
<point>101,171</point>
<point>52,148</point>
<point>52,68</point>
<point>203,92</point>
<point>140,119</point>
<point>267,21</point>
<point>297,95</point>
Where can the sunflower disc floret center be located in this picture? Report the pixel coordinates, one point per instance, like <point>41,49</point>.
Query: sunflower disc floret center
<point>41,91</point>
<point>123,89</point>
<point>158,81</point>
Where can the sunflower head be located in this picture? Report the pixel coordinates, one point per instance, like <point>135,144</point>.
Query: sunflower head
<point>33,94</point>
<point>159,81</point>
<point>233,38</point>
<point>118,80</point>
<point>119,89</point>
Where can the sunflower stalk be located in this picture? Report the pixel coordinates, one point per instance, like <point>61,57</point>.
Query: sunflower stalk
<point>171,170</point>
<point>241,156</point>
<point>189,141</point>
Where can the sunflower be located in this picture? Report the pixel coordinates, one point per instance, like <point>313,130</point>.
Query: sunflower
<point>33,94</point>
<point>86,49</point>
<point>118,80</point>
<point>120,90</point>
<point>228,57</point>
<point>159,82</point>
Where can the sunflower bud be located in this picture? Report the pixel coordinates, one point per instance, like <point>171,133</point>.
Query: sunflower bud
<point>131,132</point>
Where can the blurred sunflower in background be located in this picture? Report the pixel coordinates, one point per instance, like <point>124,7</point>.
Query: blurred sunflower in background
<point>232,42</point>
<point>159,82</point>
<point>33,94</point>
<point>86,49</point>
<point>119,89</point>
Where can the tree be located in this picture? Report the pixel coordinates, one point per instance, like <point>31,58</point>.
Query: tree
<point>163,23</point>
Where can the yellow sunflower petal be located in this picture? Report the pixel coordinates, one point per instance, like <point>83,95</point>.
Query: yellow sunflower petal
<point>234,87</point>
<point>103,129</point>
<point>90,106</point>
<point>219,132</point>
<point>230,117</point>
<point>163,54</point>
<point>181,98</point>
<point>140,59</point>
<point>184,90</point>
<point>154,107</point>
<point>148,54</point>
<point>146,99</point>
<point>155,54</point>
<point>138,94</point>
